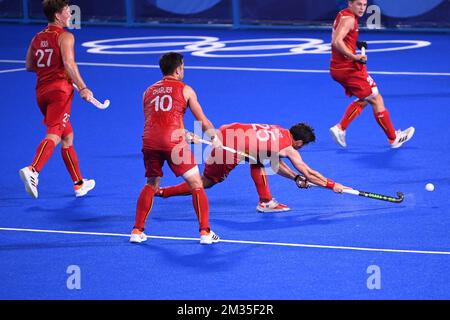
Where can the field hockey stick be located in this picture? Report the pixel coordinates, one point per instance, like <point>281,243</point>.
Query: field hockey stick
<point>242,154</point>
<point>95,102</point>
<point>370,195</point>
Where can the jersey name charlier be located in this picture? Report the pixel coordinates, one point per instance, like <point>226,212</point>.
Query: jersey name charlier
<point>163,90</point>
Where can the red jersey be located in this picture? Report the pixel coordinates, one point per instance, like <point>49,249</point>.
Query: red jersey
<point>47,58</point>
<point>338,60</point>
<point>164,109</point>
<point>256,139</point>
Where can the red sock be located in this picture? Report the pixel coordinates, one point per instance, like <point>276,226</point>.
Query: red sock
<point>43,154</point>
<point>384,120</point>
<point>71,160</point>
<point>353,110</point>
<point>182,189</point>
<point>144,206</point>
<point>260,179</point>
<point>201,206</point>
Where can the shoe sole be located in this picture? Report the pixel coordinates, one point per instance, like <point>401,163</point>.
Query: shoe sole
<point>205,241</point>
<point>336,140</point>
<point>27,187</point>
<point>272,210</point>
<point>208,243</point>
<point>137,239</point>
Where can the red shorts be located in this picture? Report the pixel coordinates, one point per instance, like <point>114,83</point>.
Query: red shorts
<point>356,82</point>
<point>55,104</point>
<point>217,171</point>
<point>180,161</point>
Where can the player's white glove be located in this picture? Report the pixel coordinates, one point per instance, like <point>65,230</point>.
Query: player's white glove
<point>191,137</point>
<point>301,182</point>
<point>216,143</point>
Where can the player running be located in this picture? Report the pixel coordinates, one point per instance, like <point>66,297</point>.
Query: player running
<point>261,141</point>
<point>349,69</point>
<point>51,56</point>
<point>165,104</point>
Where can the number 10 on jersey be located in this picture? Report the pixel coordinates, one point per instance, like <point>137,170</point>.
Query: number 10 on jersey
<point>163,103</point>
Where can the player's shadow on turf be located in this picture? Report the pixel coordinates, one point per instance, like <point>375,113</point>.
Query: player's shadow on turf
<point>122,156</point>
<point>74,211</point>
<point>204,258</point>
<point>96,220</point>
<point>293,219</point>
<point>389,159</point>
<point>69,206</point>
<point>30,246</point>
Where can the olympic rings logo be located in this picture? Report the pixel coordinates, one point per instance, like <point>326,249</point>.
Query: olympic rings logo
<point>213,47</point>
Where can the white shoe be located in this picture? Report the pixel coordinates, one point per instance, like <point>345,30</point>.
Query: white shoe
<point>402,137</point>
<point>338,136</point>
<point>271,206</point>
<point>209,238</point>
<point>137,236</point>
<point>83,189</point>
<point>30,180</point>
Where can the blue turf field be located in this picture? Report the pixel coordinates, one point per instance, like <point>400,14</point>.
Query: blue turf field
<point>331,235</point>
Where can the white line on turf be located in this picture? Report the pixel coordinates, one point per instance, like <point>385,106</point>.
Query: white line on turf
<point>12,70</point>
<point>151,66</point>
<point>313,246</point>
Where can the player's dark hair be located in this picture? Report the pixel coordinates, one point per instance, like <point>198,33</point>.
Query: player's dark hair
<point>52,7</point>
<point>304,132</point>
<point>169,62</point>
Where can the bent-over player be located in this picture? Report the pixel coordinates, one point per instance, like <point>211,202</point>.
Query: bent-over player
<point>261,141</point>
